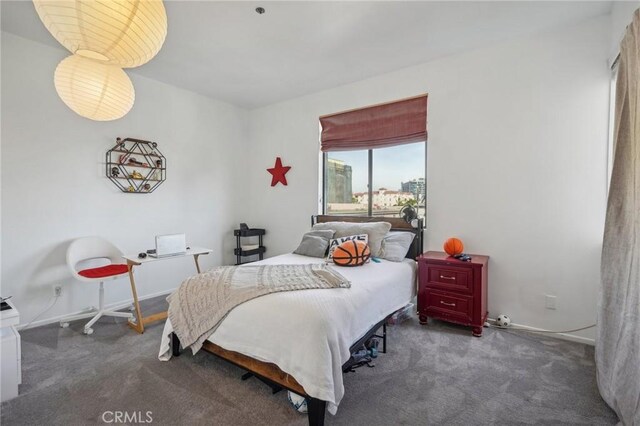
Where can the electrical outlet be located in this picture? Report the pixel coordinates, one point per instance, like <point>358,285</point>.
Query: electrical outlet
<point>549,301</point>
<point>57,290</point>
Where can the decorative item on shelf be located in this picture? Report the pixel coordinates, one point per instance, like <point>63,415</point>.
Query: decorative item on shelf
<point>136,165</point>
<point>136,175</point>
<point>103,37</point>
<point>157,174</point>
<point>278,173</point>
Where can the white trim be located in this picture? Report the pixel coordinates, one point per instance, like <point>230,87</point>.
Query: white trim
<point>112,306</point>
<point>561,336</point>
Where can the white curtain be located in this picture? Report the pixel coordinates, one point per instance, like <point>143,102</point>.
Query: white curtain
<point>618,334</point>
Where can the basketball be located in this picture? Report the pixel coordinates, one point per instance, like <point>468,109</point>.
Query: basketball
<point>351,253</point>
<point>453,246</point>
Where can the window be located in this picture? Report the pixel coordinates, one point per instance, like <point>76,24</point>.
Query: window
<point>375,182</point>
<point>374,159</point>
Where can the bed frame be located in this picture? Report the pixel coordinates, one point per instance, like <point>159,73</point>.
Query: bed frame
<point>270,373</point>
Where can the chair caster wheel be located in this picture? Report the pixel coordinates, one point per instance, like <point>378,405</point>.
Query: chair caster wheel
<point>88,331</point>
<point>64,324</point>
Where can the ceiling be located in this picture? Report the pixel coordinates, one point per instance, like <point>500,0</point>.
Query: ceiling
<point>229,52</point>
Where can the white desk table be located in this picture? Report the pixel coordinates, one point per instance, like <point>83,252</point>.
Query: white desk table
<point>134,260</point>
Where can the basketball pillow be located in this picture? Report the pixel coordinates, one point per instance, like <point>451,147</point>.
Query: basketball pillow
<point>453,246</point>
<point>351,253</point>
<point>335,242</point>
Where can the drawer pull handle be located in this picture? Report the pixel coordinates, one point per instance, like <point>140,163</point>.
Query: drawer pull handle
<point>448,304</point>
<point>442,277</point>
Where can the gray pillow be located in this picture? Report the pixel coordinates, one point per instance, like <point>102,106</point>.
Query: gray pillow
<point>375,230</point>
<point>395,245</point>
<point>315,243</point>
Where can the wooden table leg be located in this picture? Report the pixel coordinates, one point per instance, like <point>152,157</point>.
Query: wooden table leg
<point>140,320</point>
<point>139,324</point>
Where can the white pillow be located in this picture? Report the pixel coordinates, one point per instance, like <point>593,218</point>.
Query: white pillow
<point>395,245</point>
<point>375,231</point>
<point>335,242</point>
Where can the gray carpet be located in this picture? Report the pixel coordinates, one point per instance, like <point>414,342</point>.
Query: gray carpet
<point>437,375</point>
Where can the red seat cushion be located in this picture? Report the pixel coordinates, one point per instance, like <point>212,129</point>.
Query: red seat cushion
<point>104,271</point>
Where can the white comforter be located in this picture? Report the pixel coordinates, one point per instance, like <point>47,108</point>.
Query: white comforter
<point>308,333</point>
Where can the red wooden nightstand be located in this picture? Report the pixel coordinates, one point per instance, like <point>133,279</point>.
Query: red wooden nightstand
<point>452,290</point>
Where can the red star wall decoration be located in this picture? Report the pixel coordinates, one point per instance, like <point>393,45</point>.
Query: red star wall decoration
<point>278,173</point>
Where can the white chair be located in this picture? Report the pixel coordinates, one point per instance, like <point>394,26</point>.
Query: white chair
<point>88,248</point>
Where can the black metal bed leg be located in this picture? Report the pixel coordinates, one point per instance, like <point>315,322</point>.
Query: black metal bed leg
<point>384,338</point>
<point>316,409</point>
<point>175,345</point>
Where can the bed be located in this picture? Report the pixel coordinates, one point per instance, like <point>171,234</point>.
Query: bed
<point>300,340</point>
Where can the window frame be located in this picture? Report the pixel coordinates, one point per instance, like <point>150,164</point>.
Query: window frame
<point>323,174</point>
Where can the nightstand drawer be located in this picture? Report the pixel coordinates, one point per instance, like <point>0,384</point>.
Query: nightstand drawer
<point>447,305</point>
<point>450,278</point>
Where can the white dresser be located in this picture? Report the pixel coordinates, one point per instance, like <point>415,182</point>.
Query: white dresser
<point>10,353</point>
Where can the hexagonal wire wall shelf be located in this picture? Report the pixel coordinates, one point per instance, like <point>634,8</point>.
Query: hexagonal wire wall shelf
<point>136,166</point>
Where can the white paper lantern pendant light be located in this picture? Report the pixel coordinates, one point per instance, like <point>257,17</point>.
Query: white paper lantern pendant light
<point>104,36</point>
<point>127,33</point>
<point>94,90</point>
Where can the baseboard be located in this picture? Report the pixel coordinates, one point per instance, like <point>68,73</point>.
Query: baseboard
<point>561,336</point>
<point>112,306</point>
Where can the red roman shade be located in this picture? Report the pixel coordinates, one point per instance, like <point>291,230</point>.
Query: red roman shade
<point>377,126</point>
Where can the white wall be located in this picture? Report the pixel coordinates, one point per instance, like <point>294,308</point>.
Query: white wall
<point>621,16</point>
<point>54,188</point>
<point>516,164</point>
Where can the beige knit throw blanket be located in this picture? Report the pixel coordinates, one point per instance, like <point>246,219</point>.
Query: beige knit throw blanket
<point>201,302</point>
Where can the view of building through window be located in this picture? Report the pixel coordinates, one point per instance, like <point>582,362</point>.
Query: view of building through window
<point>398,179</point>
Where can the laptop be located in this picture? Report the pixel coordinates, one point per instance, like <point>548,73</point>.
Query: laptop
<point>170,245</point>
